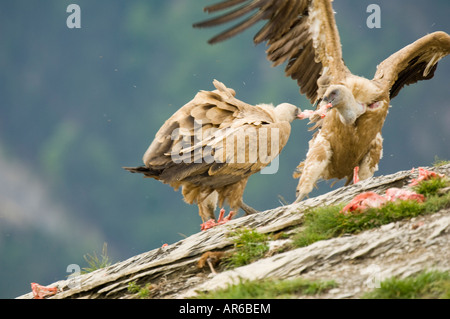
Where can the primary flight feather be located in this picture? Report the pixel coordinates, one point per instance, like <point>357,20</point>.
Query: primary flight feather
<point>303,33</point>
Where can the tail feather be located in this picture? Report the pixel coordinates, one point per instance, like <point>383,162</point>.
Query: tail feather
<point>147,171</point>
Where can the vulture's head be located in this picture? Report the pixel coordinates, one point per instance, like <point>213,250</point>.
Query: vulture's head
<point>338,96</point>
<point>341,98</point>
<point>286,112</point>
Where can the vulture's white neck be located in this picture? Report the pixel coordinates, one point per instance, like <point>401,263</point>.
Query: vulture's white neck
<point>283,112</point>
<point>344,102</point>
<point>349,112</point>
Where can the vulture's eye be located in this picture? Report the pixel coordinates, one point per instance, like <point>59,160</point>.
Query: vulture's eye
<point>333,93</point>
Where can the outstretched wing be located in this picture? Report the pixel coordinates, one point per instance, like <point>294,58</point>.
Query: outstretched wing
<point>302,33</point>
<point>413,63</point>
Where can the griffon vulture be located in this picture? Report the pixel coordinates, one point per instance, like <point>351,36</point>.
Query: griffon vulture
<point>303,33</point>
<point>212,145</point>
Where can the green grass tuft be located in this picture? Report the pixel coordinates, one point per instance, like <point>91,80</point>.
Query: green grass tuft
<point>270,289</point>
<point>440,162</point>
<point>327,222</point>
<point>431,186</point>
<point>249,245</point>
<point>426,285</point>
<point>95,262</point>
<point>143,293</point>
<point>319,224</point>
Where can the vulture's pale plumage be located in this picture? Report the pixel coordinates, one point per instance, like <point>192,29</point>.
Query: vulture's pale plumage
<point>212,145</point>
<point>303,33</point>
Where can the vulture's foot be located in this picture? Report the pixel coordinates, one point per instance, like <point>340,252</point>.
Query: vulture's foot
<point>208,224</point>
<point>247,209</point>
<point>222,220</point>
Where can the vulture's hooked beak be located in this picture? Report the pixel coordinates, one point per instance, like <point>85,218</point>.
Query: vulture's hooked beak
<point>297,113</point>
<point>330,102</point>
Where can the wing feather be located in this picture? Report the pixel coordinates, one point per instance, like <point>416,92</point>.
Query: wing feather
<point>249,148</point>
<point>302,33</point>
<point>223,5</point>
<point>413,63</point>
<point>204,127</point>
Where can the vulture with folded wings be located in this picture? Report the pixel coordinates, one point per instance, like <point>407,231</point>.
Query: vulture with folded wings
<point>212,145</point>
<point>303,33</point>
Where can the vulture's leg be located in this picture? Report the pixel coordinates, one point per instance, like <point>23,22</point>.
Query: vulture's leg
<point>207,206</point>
<point>207,216</point>
<point>247,209</point>
<point>317,159</point>
<point>356,175</point>
<point>300,196</point>
<point>223,220</point>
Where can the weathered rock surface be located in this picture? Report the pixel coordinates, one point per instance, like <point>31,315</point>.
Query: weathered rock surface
<point>356,263</point>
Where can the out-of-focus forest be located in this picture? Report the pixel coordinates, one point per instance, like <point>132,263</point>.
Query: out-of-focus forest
<point>78,104</point>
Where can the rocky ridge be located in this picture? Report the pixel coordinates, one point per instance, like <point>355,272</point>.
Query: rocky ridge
<point>357,263</point>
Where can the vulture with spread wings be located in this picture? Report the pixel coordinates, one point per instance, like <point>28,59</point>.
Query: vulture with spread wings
<point>212,145</point>
<point>303,33</point>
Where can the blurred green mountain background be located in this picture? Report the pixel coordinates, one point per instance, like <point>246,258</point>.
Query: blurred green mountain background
<point>78,104</point>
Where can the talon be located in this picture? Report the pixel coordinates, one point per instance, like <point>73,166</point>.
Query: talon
<point>220,221</point>
<point>208,224</point>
